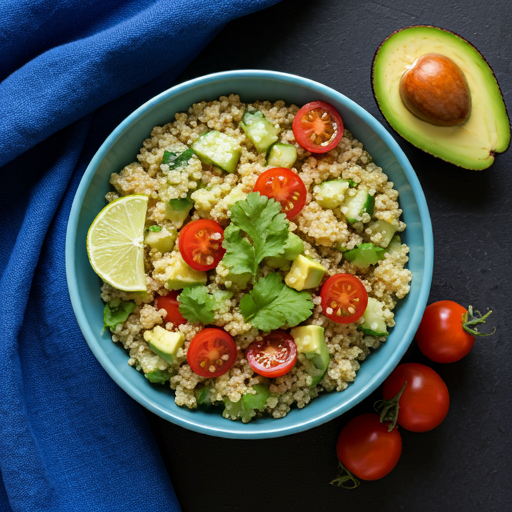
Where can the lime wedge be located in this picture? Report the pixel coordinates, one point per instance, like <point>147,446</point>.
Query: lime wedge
<point>115,243</point>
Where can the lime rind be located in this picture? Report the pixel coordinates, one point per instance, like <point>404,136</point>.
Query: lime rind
<point>115,243</point>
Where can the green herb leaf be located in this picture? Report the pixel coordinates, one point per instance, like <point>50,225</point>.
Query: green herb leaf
<point>260,218</point>
<point>271,304</point>
<point>116,312</point>
<point>176,160</point>
<point>197,305</point>
<point>155,228</point>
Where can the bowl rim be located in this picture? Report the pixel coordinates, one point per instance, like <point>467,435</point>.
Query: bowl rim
<point>275,430</point>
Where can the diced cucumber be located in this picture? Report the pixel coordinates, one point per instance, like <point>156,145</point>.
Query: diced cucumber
<point>361,203</point>
<point>395,244</point>
<point>282,155</point>
<point>260,130</point>
<point>386,229</point>
<point>374,324</point>
<point>218,149</point>
<point>364,255</point>
<point>176,160</point>
<point>331,193</point>
<point>158,376</point>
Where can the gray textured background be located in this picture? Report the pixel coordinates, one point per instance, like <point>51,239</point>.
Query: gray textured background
<point>465,464</point>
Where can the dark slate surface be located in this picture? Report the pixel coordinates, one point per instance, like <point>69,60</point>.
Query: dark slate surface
<point>464,464</point>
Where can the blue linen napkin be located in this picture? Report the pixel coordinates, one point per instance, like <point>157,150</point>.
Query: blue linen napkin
<point>71,70</point>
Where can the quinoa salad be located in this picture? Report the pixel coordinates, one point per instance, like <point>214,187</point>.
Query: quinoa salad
<point>271,260</point>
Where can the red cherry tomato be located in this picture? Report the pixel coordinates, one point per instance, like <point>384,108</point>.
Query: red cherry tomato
<point>170,303</point>
<point>211,353</point>
<point>425,400</point>
<point>200,244</point>
<point>318,127</point>
<point>344,298</point>
<point>274,355</point>
<point>442,336</point>
<point>285,187</point>
<point>367,449</point>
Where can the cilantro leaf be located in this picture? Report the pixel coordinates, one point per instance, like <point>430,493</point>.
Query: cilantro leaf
<point>175,160</point>
<point>116,312</point>
<point>197,305</point>
<point>271,304</point>
<point>260,218</point>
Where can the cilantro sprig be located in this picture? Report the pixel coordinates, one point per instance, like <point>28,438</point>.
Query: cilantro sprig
<point>257,230</point>
<point>271,304</point>
<point>116,312</point>
<point>197,305</point>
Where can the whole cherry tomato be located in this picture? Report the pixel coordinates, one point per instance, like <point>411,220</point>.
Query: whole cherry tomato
<point>367,449</point>
<point>447,333</point>
<point>420,397</point>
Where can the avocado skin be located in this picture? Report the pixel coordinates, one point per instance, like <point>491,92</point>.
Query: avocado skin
<point>375,95</point>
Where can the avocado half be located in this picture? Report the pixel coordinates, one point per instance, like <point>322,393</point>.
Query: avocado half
<point>486,131</point>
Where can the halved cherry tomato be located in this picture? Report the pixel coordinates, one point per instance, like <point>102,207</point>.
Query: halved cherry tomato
<point>170,303</point>
<point>274,355</point>
<point>318,127</point>
<point>425,400</point>
<point>367,449</point>
<point>200,244</point>
<point>211,353</point>
<point>447,331</point>
<point>344,298</point>
<point>285,187</point>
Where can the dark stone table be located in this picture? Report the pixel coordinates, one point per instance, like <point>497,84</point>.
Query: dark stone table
<point>464,464</point>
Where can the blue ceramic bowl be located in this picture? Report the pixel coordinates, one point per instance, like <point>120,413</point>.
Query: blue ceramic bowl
<point>121,148</point>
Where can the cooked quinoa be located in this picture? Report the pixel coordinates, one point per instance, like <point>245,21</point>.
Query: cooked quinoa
<point>323,231</point>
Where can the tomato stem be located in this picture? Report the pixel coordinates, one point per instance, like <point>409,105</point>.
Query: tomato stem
<point>388,409</point>
<point>345,478</point>
<point>475,320</point>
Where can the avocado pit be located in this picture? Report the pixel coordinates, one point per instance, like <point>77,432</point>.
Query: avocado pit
<point>436,91</point>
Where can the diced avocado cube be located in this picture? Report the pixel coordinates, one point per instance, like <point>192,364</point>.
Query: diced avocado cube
<point>293,247</point>
<point>356,205</point>
<point>364,255</point>
<point>177,210</point>
<point>164,343</point>
<point>386,229</point>
<point>310,341</point>
<point>218,149</point>
<point>162,241</point>
<point>331,193</point>
<point>157,376</point>
<point>260,130</point>
<point>374,324</point>
<point>304,274</point>
<point>180,275</point>
<point>282,155</point>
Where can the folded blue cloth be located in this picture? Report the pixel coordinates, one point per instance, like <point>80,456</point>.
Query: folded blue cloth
<point>71,70</point>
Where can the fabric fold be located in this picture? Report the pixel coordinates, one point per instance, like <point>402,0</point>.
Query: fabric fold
<point>70,438</point>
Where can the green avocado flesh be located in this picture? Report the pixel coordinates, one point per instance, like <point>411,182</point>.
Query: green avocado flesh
<point>487,130</point>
